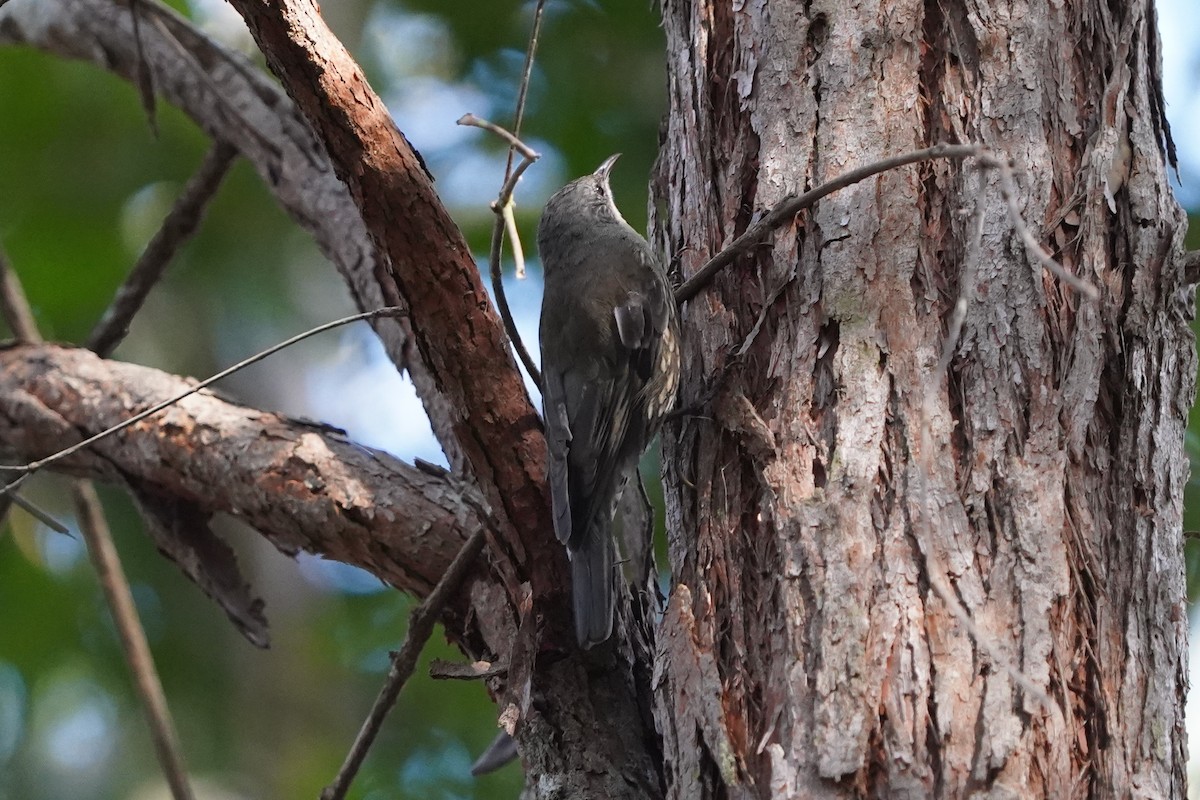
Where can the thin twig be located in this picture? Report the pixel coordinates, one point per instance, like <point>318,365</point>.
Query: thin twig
<point>34,466</point>
<point>935,569</point>
<point>791,206</point>
<point>501,206</point>
<point>133,637</point>
<point>145,79</point>
<point>15,306</point>
<point>526,74</point>
<point>937,581</point>
<point>176,229</point>
<point>166,22</point>
<point>107,565</point>
<point>1008,191</point>
<point>404,661</point>
<point>34,511</point>
<point>966,292</point>
<point>510,227</point>
<point>504,203</point>
<point>515,143</point>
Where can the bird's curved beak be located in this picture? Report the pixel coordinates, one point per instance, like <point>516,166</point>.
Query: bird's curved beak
<point>605,168</point>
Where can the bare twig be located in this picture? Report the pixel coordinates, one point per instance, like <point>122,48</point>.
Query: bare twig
<point>988,644</point>
<point>503,208</point>
<point>19,316</point>
<point>791,206</point>
<point>34,466</point>
<point>510,227</point>
<point>178,226</point>
<point>404,661</point>
<point>15,306</point>
<point>34,511</point>
<point>526,73</point>
<point>505,134</point>
<point>107,565</point>
<point>145,79</point>
<point>133,637</point>
<point>966,293</point>
<point>1008,191</point>
<point>936,570</point>
<point>167,22</point>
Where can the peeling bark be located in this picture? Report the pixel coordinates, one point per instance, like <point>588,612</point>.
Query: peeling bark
<point>842,503</point>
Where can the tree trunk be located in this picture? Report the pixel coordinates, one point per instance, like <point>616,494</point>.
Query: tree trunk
<point>924,510</point>
<point>893,579</point>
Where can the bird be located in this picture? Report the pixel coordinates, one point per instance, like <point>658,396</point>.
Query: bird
<point>610,355</point>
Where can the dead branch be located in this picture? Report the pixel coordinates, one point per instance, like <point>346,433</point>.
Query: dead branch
<point>303,486</point>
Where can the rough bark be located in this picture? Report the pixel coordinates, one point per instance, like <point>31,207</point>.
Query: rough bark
<point>303,486</point>
<point>894,581</point>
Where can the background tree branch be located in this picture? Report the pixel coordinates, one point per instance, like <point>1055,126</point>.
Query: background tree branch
<point>496,435</point>
<point>303,486</point>
<point>232,100</point>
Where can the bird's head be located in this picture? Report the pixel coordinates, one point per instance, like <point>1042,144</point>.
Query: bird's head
<point>585,200</point>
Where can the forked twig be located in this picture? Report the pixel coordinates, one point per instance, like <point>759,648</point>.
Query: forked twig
<point>789,207</point>
<point>404,662</point>
<point>503,208</point>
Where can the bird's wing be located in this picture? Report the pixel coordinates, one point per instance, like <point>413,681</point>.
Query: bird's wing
<point>558,443</point>
<point>592,407</point>
<point>587,413</point>
<point>644,311</point>
<point>600,414</point>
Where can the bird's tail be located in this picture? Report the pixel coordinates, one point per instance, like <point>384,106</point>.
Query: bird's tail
<point>592,588</point>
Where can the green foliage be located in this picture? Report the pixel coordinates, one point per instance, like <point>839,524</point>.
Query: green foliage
<point>83,184</point>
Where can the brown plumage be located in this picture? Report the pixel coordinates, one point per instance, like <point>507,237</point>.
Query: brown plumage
<point>610,371</point>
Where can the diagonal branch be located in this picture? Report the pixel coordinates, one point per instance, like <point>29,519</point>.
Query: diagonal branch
<point>404,661</point>
<point>456,332</point>
<point>233,101</point>
<point>180,224</point>
<point>109,572</point>
<point>136,648</point>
